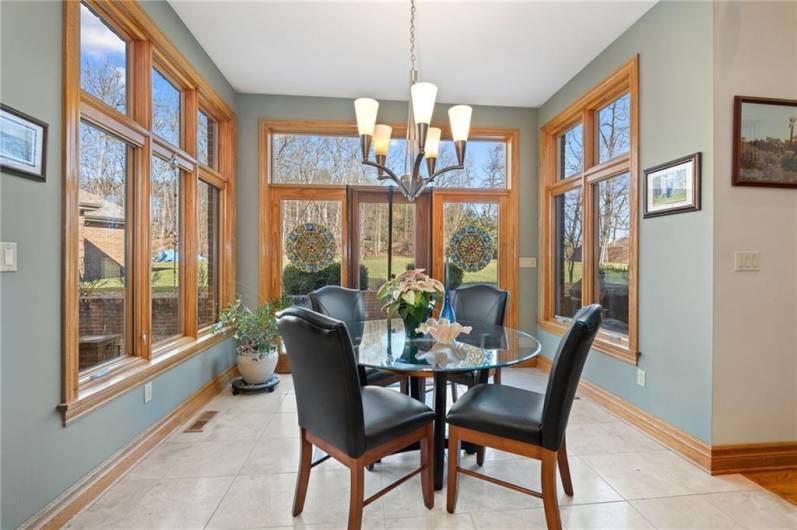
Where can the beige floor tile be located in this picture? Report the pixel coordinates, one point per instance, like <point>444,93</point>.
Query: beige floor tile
<point>288,404</point>
<point>282,425</point>
<point>263,403</point>
<point>588,486</point>
<point>200,459</point>
<point>407,499</point>
<point>447,521</point>
<point>755,509</point>
<point>610,515</point>
<point>267,500</point>
<point>694,511</point>
<point>280,455</point>
<point>227,426</point>
<point>168,503</point>
<point>532,519</point>
<point>660,474</point>
<point>586,411</point>
<point>608,438</point>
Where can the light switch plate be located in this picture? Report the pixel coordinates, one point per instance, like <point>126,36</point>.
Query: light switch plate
<point>8,257</point>
<point>641,377</point>
<point>746,261</point>
<point>528,263</point>
<point>147,392</point>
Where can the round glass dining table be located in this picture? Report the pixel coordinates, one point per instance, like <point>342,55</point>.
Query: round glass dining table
<point>382,344</point>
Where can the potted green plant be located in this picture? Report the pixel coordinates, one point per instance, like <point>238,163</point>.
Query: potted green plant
<point>410,296</point>
<point>256,337</point>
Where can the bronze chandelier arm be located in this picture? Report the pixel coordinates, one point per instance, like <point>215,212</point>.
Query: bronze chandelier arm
<point>437,173</point>
<point>390,174</point>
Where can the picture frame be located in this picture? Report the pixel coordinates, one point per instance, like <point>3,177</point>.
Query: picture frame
<point>764,142</point>
<point>673,187</point>
<point>23,144</point>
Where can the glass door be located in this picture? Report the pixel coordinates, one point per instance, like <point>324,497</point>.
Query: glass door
<point>385,239</point>
<point>308,245</point>
<point>471,235</point>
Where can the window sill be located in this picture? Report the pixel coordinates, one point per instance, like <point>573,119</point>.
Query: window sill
<point>135,373</point>
<point>605,342</point>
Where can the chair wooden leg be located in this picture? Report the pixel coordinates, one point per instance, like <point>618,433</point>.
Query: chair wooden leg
<point>549,498</point>
<point>427,475</point>
<point>453,464</point>
<point>356,496</point>
<point>454,392</point>
<point>564,469</point>
<point>497,376</point>
<point>302,480</point>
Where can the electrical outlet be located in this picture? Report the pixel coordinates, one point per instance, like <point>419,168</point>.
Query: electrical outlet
<point>147,392</point>
<point>746,261</point>
<point>641,377</point>
<point>8,257</point>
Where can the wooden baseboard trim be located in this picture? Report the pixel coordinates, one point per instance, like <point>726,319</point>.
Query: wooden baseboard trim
<point>746,458</point>
<point>679,441</point>
<point>58,512</point>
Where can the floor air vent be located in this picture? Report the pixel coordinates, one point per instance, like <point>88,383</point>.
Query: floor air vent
<point>202,420</point>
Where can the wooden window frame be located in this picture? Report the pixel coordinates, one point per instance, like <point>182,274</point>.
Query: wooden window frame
<point>624,80</point>
<point>268,244</point>
<point>147,46</point>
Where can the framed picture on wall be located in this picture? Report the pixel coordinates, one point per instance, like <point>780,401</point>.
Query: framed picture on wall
<point>764,142</point>
<point>673,187</point>
<point>23,144</point>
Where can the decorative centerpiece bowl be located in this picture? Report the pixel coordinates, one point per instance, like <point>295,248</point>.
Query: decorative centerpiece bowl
<point>411,296</point>
<point>443,331</point>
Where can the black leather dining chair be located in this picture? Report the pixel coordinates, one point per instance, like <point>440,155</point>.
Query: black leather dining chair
<point>348,306</point>
<point>526,423</point>
<point>356,425</point>
<point>478,303</point>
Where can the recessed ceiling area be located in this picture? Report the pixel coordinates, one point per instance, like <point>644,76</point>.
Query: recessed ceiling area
<point>488,53</point>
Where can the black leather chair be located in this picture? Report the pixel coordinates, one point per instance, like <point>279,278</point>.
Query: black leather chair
<point>524,422</point>
<point>347,305</point>
<point>357,425</point>
<point>477,303</point>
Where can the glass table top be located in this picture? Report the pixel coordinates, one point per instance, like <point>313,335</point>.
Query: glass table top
<point>382,344</point>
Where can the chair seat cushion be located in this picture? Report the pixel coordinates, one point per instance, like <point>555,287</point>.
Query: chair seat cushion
<point>389,414</point>
<point>500,410</point>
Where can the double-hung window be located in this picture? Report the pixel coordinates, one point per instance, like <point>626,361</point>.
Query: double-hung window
<point>589,241</point>
<point>148,201</point>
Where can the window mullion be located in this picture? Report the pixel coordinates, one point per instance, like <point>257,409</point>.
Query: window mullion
<point>141,294</point>
<point>189,250</point>
<point>588,248</point>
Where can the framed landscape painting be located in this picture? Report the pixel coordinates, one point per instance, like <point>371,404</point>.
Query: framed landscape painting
<point>673,187</point>
<point>23,144</point>
<point>765,142</point>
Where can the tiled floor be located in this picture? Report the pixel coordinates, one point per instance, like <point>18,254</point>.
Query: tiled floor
<point>240,473</point>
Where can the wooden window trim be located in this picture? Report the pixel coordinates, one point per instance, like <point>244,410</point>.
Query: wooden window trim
<point>623,80</point>
<point>147,46</point>
<point>510,196</point>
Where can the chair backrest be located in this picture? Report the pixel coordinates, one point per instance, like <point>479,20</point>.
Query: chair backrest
<point>566,372</point>
<point>325,379</point>
<point>480,303</point>
<point>339,303</point>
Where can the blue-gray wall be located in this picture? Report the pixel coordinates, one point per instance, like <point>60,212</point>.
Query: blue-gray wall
<point>253,107</point>
<point>675,44</point>
<point>40,457</point>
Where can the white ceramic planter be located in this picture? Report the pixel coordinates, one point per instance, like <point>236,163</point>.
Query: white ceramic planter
<point>257,371</point>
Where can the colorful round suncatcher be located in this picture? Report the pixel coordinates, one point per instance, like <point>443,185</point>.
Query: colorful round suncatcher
<point>471,248</point>
<point>310,247</point>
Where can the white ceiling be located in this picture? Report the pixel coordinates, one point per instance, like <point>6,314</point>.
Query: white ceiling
<point>487,52</point>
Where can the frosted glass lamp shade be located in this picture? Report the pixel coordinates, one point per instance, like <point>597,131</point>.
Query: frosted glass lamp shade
<point>432,146</point>
<point>366,109</point>
<point>382,139</point>
<point>459,116</point>
<point>423,97</point>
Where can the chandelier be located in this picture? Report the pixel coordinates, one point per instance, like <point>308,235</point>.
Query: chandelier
<point>423,141</point>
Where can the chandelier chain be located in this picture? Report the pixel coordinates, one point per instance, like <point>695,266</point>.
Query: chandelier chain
<point>412,34</point>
